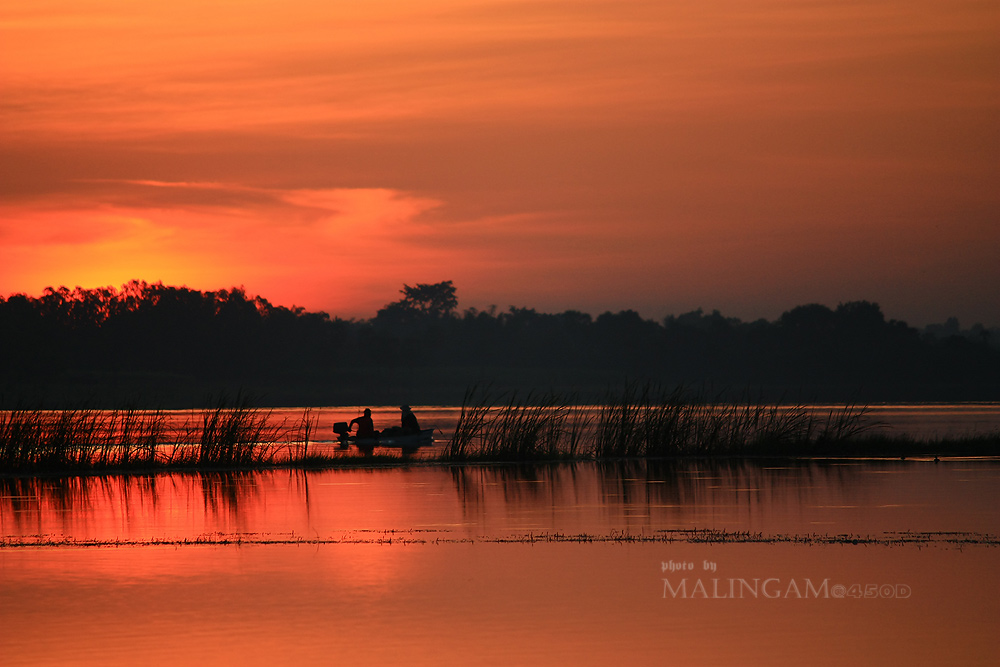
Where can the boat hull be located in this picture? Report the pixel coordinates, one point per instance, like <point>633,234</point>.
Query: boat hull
<point>402,441</point>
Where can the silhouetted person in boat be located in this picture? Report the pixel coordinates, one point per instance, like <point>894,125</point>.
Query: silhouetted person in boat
<point>366,427</point>
<point>409,424</point>
<point>409,420</point>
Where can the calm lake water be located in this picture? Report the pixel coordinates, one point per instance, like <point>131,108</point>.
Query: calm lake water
<point>651,563</point>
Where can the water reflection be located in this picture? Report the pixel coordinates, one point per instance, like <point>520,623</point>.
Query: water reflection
<point>226,492</point>
<point>37,504</point>
<point>484,500</point>
<point>719,483</point>
<point>517,483</point>
<point>438,546</point>
<point>650,495</point>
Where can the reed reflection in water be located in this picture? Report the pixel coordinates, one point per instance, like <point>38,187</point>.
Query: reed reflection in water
<point>489,500</point>
<point>365,566</point>
<point>733,495</point>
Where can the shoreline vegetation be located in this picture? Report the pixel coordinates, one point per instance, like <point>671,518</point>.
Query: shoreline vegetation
<point>163,347</point>
<point>639,422</point>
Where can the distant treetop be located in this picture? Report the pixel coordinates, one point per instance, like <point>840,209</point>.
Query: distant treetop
<point>422,301</point>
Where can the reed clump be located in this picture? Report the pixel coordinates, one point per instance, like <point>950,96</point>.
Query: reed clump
<point>135,437</point>
<point>638,421</point>
<point>648,421</point>
<point>23,436</point>
<point>492,427</point>
<point>644,421</point>
<point>232,434</point>
<point>472,420</point>
<point>235,434</point>
<point>51,440</point>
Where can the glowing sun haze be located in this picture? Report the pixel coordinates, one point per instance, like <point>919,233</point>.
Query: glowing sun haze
<point>653,155</point>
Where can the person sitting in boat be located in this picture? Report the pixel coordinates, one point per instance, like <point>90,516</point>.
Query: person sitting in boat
<point>366,427</point>
<point>409,420</point>
<point>409,424</point>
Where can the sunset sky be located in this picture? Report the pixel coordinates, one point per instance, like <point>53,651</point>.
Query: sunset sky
<point>657,155</point>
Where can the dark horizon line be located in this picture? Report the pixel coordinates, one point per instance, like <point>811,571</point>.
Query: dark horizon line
<point>952,321</point>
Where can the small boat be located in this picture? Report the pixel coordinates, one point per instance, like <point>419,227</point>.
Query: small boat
<point>399,440</point>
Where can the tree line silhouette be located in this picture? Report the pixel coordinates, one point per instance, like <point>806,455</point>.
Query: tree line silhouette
<point>164,346</point>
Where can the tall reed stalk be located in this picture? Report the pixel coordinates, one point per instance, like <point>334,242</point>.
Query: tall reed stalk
<point>300,435</point>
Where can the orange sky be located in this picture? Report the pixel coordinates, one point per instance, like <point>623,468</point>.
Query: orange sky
<point>656,155</point>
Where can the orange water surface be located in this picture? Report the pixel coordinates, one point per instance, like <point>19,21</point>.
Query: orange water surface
<point>506,565</point>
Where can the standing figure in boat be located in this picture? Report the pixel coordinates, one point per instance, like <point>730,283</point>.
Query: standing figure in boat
<point>409,420</point>
<point>366,427</point>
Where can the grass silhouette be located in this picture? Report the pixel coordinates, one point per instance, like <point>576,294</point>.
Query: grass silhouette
<point>639,421</point>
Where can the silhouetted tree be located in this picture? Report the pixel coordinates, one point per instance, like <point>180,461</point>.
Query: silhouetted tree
<point>423,301</point>
<point>144,336</point>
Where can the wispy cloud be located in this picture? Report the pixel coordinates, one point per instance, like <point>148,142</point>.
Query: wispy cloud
<point>660,155</point>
